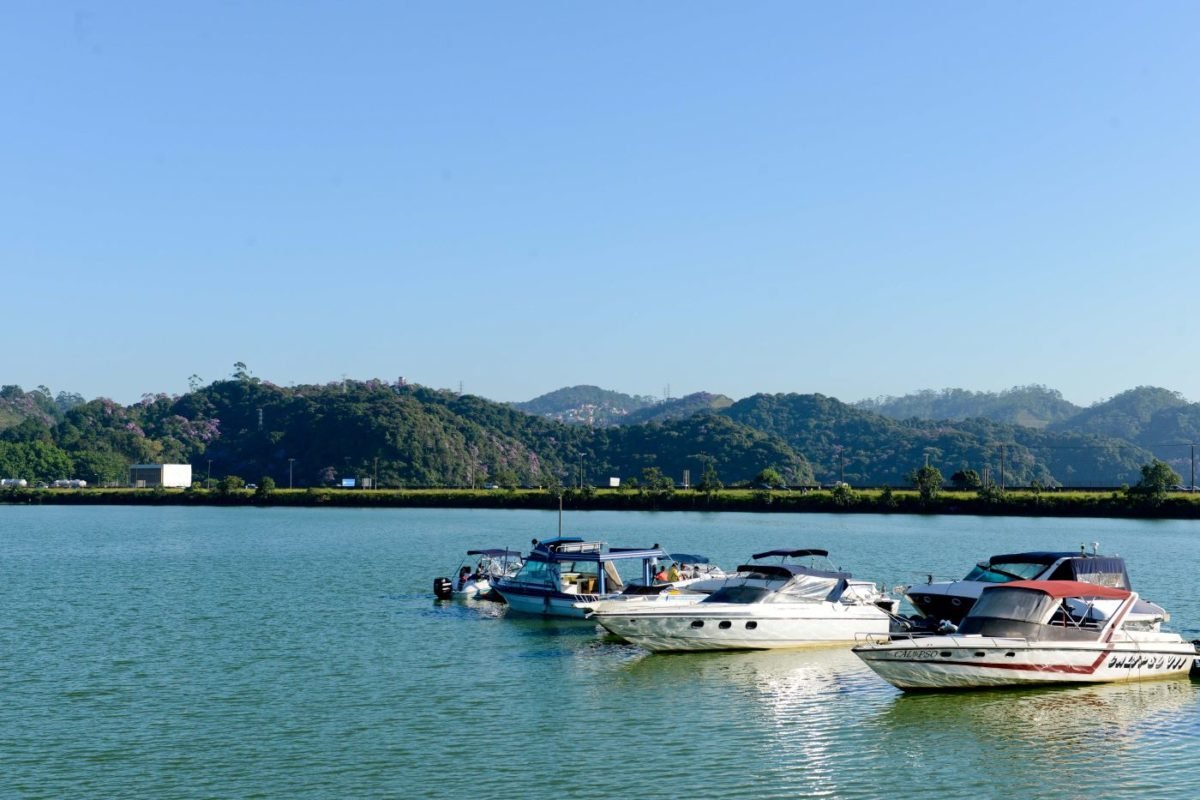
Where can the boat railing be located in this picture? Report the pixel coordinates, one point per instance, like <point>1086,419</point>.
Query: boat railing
<point>579,547</point>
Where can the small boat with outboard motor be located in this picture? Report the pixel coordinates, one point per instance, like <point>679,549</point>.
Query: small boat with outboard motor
<point>800,600</point>
<point>476,573</point>
<point>562,573</point>
<point>1024,633</point>
<point>941,602</point>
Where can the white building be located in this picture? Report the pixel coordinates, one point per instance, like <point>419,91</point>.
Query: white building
<point>146,476</point>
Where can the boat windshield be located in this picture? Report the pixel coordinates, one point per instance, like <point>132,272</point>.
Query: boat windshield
<point>1018,605</point>
<point>1003,572</point>
<point>739,593</point>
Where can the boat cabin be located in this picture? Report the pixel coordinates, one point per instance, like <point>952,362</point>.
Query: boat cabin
<point>573,566</point>
<point>784,582</point>
<point>1046,610</point>
<point>1052,566</point>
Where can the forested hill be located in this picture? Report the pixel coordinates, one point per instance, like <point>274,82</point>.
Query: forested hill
<point>845,443</point>
<point>408,435</point>
<point>1030,406</point>
<point>679,408</point>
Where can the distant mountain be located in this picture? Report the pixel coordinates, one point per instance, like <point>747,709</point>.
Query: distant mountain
<point>843,442</point>
<point>678,408</point>
<point>1159,420</point>
<point>585,405</point>
<point>1125,415</point>
<point>1031,406</point>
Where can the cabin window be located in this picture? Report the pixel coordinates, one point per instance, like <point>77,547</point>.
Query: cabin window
<point>737,594</point>
<point>1020,605</point>
<point>1005,572</point>
<point>539,572</point>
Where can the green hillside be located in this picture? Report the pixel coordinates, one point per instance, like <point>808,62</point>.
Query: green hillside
<point>862,448</point>
<point>1030,406</point>
<point>407,435</point>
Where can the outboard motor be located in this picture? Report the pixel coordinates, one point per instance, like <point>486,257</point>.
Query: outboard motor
<point>1194,672</point>
<point>443,588</point>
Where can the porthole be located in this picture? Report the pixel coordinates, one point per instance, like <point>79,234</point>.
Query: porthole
<point>1010,654</point>
<point>945,654</point>
<point>697,623</point>
<point>751,626</point>
<point>980,654</point>
<point>724,624</point>
<point>955,602</point>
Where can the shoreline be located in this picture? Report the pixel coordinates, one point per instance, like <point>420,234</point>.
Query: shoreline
<point>1113,504</point>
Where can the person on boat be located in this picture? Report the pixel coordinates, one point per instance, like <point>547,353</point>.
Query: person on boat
<point>673,573</point>
<point>464,576</point>
<point>661,575</point>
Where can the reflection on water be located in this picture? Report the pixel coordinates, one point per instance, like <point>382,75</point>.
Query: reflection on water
<point>787,707</point>
<point>1088,738</point>
<point>823,725</point>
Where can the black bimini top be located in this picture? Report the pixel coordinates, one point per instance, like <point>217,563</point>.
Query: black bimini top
<point>791,553</point>
<point>791,571</point>
<point>1035,557</point>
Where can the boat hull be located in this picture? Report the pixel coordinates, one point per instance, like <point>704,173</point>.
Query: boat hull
<point>966,662</point>
<point>544,602</point>
<point>717,626</point>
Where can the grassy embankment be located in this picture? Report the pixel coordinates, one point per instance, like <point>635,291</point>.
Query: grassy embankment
<point>1013,503</point>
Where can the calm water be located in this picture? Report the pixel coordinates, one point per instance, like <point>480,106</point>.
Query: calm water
<point>166,653</point>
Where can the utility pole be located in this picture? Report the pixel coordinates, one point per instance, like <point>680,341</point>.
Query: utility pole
<point>290,462</point>
<point>1002,468</point>
<point>209,481</point>
<point>375,480</point>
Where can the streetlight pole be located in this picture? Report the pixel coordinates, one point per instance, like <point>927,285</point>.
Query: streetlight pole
<point>290,462</point>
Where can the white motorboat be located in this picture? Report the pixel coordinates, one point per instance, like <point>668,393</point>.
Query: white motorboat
<point>761,606</point>
<point>949,601</point>
<point>1026,633</point>
<point>475,582</point>
<point>563,576</point>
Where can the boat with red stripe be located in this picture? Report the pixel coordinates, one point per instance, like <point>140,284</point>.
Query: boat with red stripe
<point>1036,632</point>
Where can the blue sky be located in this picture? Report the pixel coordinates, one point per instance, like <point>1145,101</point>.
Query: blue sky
<point>857,199</point>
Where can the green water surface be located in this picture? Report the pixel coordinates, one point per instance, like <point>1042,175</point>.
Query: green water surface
<point>299,653</point>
